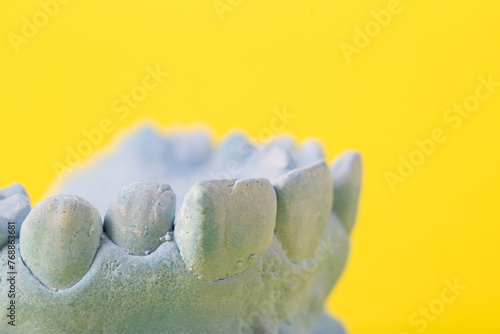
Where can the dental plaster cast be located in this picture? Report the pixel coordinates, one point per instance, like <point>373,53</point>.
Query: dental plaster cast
<point>165,234</point>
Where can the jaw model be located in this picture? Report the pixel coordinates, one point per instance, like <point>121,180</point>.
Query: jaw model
<point>238,239</point>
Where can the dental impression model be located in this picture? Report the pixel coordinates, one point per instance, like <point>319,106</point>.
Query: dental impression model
<point>235,239</point>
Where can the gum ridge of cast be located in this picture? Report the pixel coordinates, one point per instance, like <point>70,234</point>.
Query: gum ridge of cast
<point>175,269</point>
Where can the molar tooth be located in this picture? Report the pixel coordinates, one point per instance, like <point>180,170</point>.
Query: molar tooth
<point>59,245</point>
<point>346,172</point>
<point>304,204</point>
<point>140,215</point>
<point>223,222</point>
<point>14,208</point>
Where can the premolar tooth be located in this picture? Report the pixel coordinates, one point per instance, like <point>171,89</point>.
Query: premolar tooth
<point>14,188</point>
<point>139,216</point>
<point>230,157</point>
<point>14,208</point>
<point>270,162</point>
<point>310,152</point>
<point>59,240</point>
<point>304,205</point>
<point>4,231</point>
<point>285,141</point>
<point>191,148</point>
<point>346,172</point>
<point>223,223</point>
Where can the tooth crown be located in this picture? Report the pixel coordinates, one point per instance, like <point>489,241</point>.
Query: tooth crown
<point>14,207</point>
<point>270,162</point>
<point>245,255</point>
<point>225,225</point>
<point>140,215</point>
<point>13,189</point>
<point>304,206</point>
<point>346,173</point>
<point>59,239</point>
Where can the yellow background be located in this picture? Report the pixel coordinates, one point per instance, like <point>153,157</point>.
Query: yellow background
<point>440,224</point>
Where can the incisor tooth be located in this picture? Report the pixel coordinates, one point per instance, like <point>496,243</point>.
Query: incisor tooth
<point>59,240</point>
<point>346,173</point>
<point>224,224</point>
<point>139,216</point>
<point>304,205</point>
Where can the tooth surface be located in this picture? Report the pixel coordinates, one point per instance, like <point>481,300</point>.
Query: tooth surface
<point>310,152</point>
<point>304,204</point>
<point>270,162</point>
<point>139,216</point>
<point>224,225</point>
<point>346,172</point>
<point>4,231</point>
<point>231,156</point>
<point>331,256</point>
<point>191,148</point>
<point>14,208</point>
<point>14,188</point>
<point>285,141</point>
<point>59,240</point>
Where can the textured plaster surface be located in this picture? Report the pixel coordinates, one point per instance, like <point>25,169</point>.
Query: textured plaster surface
<point>236,239</point>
